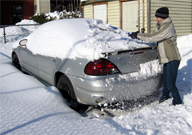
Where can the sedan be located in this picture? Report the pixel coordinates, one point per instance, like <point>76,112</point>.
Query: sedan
<point>89,62</point>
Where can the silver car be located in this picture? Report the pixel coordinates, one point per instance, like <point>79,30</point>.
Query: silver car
<point>110,78</point>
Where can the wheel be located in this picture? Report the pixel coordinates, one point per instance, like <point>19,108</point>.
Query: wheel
<point>15,61</point>
<point>65,87</point>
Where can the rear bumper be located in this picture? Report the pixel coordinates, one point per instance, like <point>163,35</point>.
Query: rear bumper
<point>114,88</point>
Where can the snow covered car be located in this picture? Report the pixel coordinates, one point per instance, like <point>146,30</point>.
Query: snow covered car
<point>89,62</point>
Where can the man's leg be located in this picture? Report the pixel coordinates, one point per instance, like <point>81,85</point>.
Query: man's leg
<point>171,76</point>
<point>165,93</point>
<point>173,69</point>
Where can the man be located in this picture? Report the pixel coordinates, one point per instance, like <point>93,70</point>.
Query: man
<point>168,54</point>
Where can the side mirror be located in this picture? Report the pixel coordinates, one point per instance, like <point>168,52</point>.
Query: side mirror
<point>23,42</point>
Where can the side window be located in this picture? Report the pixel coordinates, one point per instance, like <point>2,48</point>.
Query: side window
<point>17,11</point>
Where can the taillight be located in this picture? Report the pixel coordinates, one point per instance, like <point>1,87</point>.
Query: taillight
<point>101,67</point>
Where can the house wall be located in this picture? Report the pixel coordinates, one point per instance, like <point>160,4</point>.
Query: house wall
<point>7,17</point>
<point>144,18</point>
<point>28,9</point>
<point>114,13</point>
<point>88,11</point>
<point>42,6</point>
<point>179,11</point>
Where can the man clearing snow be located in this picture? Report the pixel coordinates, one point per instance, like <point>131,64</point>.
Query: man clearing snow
<point>165,36</point>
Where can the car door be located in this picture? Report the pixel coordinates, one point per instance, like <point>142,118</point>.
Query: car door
<point>28,60</point>
<point>47,66</point>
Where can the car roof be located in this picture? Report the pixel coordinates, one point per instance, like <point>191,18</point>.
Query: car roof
<point>58,38</point>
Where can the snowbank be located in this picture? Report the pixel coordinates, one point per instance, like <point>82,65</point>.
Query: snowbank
<point>184,79</point>
<point>184,41</point>
<point>26,21</point>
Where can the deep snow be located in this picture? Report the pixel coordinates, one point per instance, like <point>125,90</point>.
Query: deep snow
<point>29,107</point>
<point>86,38</point>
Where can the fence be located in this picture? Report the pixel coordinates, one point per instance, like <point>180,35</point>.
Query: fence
<point>11,33</point>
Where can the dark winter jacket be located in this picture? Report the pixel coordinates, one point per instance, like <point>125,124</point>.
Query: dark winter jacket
<point>165,36</point>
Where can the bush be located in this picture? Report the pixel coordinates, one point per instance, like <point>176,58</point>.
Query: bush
<point>66,15</point>
<point>43,18</point>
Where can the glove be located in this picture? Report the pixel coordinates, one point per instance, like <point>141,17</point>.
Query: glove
<point>133,35</point>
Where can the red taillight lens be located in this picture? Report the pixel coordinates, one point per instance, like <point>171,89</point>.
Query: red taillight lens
<point>100,67</point>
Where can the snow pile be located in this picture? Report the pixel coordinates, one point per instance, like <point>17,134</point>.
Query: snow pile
<point>71,38</point>
<point>26,21</point>
<point>184,79</point>
<point>184,41</point>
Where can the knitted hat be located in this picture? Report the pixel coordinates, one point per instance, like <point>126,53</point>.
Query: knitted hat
<point>162,12</point>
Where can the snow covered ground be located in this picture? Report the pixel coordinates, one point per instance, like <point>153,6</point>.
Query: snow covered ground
<point>29,107</point>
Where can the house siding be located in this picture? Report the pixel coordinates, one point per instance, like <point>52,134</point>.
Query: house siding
<point>45,6</point>
<point>88,11</point>
<point>42,6</point>
<point>114,13</point>
<point>179,11</point>
<point>143,22</point>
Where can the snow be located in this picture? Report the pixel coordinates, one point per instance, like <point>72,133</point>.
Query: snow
<point>26,21</point>
<point>29,107</point>
<point>61,15</point>
<point>72,38</point>
<point>13,32</point>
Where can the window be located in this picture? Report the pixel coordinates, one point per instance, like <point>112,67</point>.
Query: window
<point>17,13</point>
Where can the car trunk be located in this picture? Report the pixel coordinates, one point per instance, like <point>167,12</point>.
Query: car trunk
<point>128,61</point>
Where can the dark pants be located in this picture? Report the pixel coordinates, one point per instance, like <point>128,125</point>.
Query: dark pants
<point>169,81</point>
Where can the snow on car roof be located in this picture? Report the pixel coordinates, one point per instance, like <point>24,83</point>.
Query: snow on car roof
<point>85,38</point>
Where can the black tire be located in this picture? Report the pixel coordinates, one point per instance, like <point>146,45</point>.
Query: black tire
<point>15,61</point>
<point>65,87</point>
